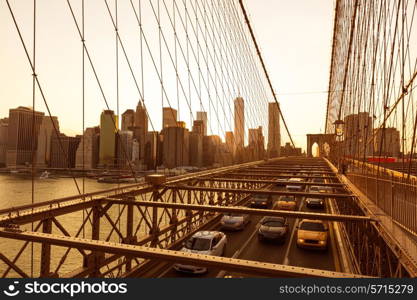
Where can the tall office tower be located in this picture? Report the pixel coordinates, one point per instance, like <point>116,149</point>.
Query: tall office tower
<point>124,148</point>
<point>358,132</point>
<point>198,127</point>
<point>175,147</point>
<point>46,132</point>
<point>256,143</point>
<point>22,135</point>
<point>63,151</point>
<point>230,143</point>
<point>274,130</point>
<point>141,128</point>
<point>88,149</point>
<point>202,116</point>
<point>387,142</point>
<point>4,133</point>
<point>152,149</point>
<point>169,117</point>
<point>239,122</point>
<point>128,119</point>
<point>108,129</point>
<point>196,149</point>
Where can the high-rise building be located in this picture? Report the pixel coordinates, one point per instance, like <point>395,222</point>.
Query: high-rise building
<point>358,132</point>
<point>152,149</point>
<point>63,151</point>
<point>169,117</point>
<point>230,143</point>
<point>128,119</point>
<point>141,127</point>
<point>175,147</point>
<point>387,142</point>
<point>87,155</point>
<point>202,116</point>
<point>4,133</point>
<point>239,116</point>
<point>196,149</point>
<point>256,143</point>
<point>23,130</point>
<point>198,126</point>
<point>108,129</point>
<point>46,132</point>
<point>211,145</point>
<point>124,148</point>
<point>274,130</point>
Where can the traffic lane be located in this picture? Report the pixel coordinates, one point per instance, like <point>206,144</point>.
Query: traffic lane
<point>272,252</point>
<point>234,241</point>
<point>317,259</point>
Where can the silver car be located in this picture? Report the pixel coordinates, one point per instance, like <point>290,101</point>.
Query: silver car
<point>273,229</point>
<point>234,221</point>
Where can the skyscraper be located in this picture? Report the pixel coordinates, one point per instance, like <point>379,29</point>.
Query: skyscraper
<point>169,117</point>
<point>202,116</point>
<point>63,151</point>
<point>140,129</point>
<point>88,149</point>
<point>175,147</point>
<point>4,133</point>
<point>358,131</point>
<point>22,136</point>
<point>108,129</point>
<point>46,132</point>
<point>239,116</point>
<point>387,142</point>
<point>274,130</point>
<point>128,119</point>
<point>230,143</point>
<point>124,148</point>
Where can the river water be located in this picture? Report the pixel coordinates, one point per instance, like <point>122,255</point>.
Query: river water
<point>16,190</point>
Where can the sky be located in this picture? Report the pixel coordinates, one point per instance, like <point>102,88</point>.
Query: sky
<point>294,37</point>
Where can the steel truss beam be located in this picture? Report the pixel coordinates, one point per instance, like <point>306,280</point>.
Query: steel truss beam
<point>258,191</point>
<point>242,210</point>
<point>228,179</point>
<point>229,264</point>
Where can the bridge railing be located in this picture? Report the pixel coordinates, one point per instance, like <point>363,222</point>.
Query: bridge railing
<point>392,191</point>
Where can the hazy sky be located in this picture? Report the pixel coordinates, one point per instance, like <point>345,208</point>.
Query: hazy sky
<point>294,36</point>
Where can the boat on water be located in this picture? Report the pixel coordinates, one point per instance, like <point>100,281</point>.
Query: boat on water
<point>113,179</point>
<point>45,175</point>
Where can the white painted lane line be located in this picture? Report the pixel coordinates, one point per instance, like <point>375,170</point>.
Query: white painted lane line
<point>286,260</point>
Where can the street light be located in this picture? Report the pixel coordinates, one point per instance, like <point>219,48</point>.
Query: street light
<point>339,127</point>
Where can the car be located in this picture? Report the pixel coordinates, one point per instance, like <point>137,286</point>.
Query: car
<point>281,182</point>
<point>315,202</point>
<point>295,185</point>
<point>318,189</point>
<point>202,242</point>
<point>286,203</point>
<point>312,234</point>
<point>273,229</point>
<point>234,221</point>
<point>261,200</point>
<point>317,180</point>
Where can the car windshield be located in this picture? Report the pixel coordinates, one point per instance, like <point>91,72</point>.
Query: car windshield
<point>312,226</point>
<point>314,199</point>
<point>287,199</point>
<point>199,244</point>
<point>274,223</point>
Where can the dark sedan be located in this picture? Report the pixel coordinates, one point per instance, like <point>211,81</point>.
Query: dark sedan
<point>273,229</point>
<point>315,203</point>
<point>261,201</point>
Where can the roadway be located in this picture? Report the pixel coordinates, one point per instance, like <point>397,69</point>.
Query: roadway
<point>245,245</point>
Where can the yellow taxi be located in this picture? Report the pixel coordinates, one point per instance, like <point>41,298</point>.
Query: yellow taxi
<point>285,203</point>
<point>312,234</point>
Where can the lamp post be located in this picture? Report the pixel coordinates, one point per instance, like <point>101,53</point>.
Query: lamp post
<point>339,130</point>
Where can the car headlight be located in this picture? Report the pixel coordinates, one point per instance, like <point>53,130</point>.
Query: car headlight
<point>301,240</point>
<point>321,242</point>
<point>308,201</point>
